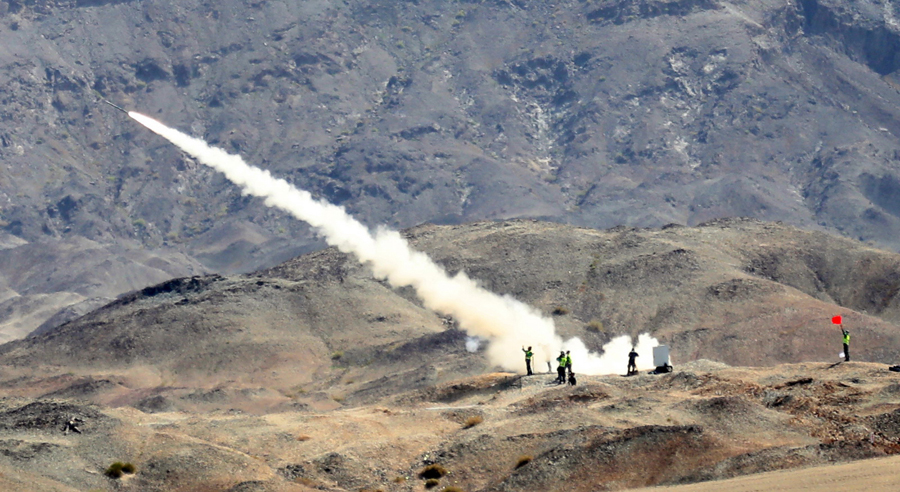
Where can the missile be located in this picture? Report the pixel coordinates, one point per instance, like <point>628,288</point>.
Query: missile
<point>113,105</point>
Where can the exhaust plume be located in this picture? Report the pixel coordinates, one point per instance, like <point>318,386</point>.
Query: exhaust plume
<point>473,344</point>
<point>507,323</point>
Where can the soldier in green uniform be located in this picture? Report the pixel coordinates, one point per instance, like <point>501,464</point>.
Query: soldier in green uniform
<point>561,369</point>
<point>846,344</point>
<point>528,356</point>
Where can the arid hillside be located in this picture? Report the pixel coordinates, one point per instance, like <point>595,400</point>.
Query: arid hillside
<point>313,375</point>
<point>743,292</point>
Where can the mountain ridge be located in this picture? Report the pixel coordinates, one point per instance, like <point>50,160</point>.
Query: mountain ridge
<point>598,114</point>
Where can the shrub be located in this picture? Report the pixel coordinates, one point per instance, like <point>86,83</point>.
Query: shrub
<point>303,437</point>
<point>399,479</point>
<point>337,355</point>
<point>117,469</point>
<point>433,472</point>
<point>473,421</point>
<point>451,489</point>
<point>560,311</point>
<point>595,326</point>
<point>431,483</point>
<point>523,460</point>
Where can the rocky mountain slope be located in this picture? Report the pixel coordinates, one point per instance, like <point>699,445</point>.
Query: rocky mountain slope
<point>47,283</point>
<point>596,113</point>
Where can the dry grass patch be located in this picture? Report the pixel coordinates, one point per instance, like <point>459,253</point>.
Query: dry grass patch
<point>594,326</point>
<point>433,472</point>
<point>117,469</point>
<point>522,461</point>
<point>560,311</point>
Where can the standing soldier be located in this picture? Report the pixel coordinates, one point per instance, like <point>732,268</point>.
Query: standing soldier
<point>528,356</point>
<point>561,369</point>
<point>632,363</point>
<point>569,361</point>
<point>846,344</point>
<point>838,320</point>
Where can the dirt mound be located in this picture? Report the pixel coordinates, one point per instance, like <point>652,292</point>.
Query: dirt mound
<point>887,424</point>
<point>52,415</point>
<point>84,388</point>
<point>459,390</point>
<point>19,450</point>
<point>155,404</point>
<point>654,454</point>
<point>781,458</point>
<point>566,396</point>
<point>702,365</point>
<point>252,486</point>
<point>344,471</point>
<point>686,381</point>
<point>734,415</point>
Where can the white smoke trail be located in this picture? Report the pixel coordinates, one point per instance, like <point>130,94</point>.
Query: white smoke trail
<point>506,322</point>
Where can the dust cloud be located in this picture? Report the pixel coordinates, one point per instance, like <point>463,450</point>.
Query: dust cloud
<point>505,322</point>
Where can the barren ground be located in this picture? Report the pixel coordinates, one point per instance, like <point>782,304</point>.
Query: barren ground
<point>494,432</point>
<point>874,474</point>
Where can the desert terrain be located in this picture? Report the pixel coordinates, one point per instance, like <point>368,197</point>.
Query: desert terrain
<point>314,375</point>
<point>493,432</point>
<point>874,474</point>
<point>162,333</point>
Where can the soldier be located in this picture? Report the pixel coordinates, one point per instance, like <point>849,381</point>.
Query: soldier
<point>71,425</point>
<point>846,344</point>
<point>632,364</point>
<point>528,356</point>
<point>569,361</point>
<point>561,369</point>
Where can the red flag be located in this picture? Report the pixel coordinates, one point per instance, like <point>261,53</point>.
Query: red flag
<point>836,320</point>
